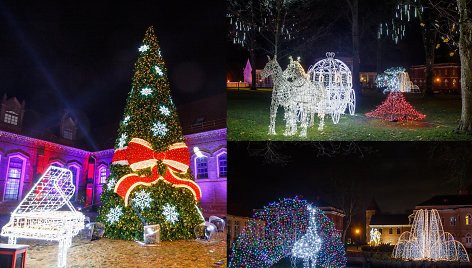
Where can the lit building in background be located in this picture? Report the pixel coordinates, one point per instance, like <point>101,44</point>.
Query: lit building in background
<point>25,155</point>
<point>447,77</point>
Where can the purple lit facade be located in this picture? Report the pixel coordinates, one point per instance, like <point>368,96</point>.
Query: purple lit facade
<point>24,159</point>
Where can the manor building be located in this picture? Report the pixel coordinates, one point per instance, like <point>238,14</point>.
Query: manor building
<point>25,155</point>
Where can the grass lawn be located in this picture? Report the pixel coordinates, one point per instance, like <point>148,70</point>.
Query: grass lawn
<point>248,120</point>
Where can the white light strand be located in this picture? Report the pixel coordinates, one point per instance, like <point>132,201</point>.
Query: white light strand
<point>308,246</point>
<point>158,70</point>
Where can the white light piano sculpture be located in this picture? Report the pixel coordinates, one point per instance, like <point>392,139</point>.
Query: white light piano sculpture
<point>43,213</point>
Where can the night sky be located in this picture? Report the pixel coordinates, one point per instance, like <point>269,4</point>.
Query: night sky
<point>399,175</point>
<point>80,55</point>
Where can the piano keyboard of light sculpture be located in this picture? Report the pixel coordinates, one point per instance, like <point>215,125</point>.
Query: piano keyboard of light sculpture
<point>43,213</point>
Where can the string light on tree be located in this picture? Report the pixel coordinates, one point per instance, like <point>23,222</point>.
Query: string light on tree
<point>159,129</point>
<point>114,215</point>
<point>170,213</point>
<point>151,162</point>
<point>146,91</point>
<point>142,200</point>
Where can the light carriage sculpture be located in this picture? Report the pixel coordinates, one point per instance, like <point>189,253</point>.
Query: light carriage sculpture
<point>337,79</point>
<point>428,241</point>
<point>43,213</point>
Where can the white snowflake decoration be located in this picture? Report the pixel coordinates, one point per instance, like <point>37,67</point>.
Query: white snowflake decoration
<point>159,129</point>
<point>111,183</point>
<point>122,141</point>
<point>146,91</point>
<point>158,70</point>
<point>143,48</point>
<point>164,110</point>
<point>170,213</point>
<point>114,214</point>
<point>142,200</point>
<point>126,120</point>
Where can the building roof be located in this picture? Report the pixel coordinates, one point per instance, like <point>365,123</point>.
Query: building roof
<point>448,200</point>
<point>390,219</point>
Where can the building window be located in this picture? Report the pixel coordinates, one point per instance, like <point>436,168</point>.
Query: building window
<point>467,220</point>
<point>398,230</point>
<point>57,164</point>
<point>202,167</point>
<point>102,175</point>
<point>75,175</point>
<point>468,239</point>
<point>11,118</point>
<point>222,165</point>
<point>67,133</point>
<point>390,231</point>
<point>452,221</point>
<point>14,174</point>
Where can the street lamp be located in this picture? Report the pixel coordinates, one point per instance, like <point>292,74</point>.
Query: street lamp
<point>358,232</point>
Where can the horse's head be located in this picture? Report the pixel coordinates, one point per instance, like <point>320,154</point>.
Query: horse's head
<point>294,70</point>
<point>270,68</point>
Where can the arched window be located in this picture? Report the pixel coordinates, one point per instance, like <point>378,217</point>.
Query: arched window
<point>15,173</point>
<point>452,221</point>
<point>102,174</point>
<point>202,167</point>
<point>468,239</point>
<point>57,164</point>
<point>222,165</point>
<point>468,219</point>
<point>75,169</point>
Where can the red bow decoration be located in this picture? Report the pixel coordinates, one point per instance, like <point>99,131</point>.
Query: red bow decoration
<point>139,155</point>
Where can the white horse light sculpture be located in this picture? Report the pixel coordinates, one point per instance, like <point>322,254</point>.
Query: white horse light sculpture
<point>300,98</point>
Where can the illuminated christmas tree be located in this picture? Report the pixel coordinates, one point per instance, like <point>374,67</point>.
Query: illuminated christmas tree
<point>150,181</point>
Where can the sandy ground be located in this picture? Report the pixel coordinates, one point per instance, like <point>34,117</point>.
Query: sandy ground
<point>118,253</point>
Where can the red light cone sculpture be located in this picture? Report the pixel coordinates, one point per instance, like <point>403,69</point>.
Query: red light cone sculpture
<point>396,108</point>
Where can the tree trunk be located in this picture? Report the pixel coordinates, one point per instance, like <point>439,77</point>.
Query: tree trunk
<point>252,61</point>
<point>429,42</point>
<point>379,56</point>
<point>355,49</point>
<point>465,52</point>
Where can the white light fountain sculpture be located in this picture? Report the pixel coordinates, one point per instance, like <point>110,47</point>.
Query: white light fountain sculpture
<point>396,79</point>
<point>41,214</point>
<point>337,79</point>
<point>309,245</point>
<point>300,98</point>
<point>428,241</point>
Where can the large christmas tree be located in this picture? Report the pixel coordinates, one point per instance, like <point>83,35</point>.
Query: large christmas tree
<point>150,181</point>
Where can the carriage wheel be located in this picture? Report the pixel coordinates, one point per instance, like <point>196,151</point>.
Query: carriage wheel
<point>335,115</point>
<point>352,102</point>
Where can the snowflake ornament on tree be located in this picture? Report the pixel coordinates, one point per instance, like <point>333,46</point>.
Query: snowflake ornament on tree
<point>126,120</point>
<point>159,129</point>
<point>114,214</point>
<point>143,48</point>
<point>164,110</point>
<point>142,200</point>
<point>111,183</point>
<point>146,91</point>
<point>158,70</point>
<point>122,141</point>
<point>170,213</point>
